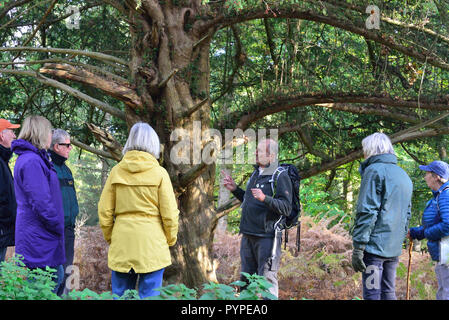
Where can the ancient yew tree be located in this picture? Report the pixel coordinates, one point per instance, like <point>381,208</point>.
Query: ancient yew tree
<point>313,69</point>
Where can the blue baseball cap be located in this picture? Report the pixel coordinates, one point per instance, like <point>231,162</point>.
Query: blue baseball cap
<point>441,168</point>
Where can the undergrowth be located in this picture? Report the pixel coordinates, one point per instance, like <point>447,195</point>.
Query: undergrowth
<point>320,270</point>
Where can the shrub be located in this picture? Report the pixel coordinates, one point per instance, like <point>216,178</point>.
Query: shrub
<point>17,282</point>
<point>20,283</point>
<point>256,288</point>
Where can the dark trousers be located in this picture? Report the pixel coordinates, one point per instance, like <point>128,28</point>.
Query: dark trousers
<point>3,253</point>
<point>255,254</point>
<point>69,243</point>
<point>379,278</point>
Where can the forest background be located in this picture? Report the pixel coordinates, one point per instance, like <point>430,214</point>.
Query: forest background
<point>317,71</point>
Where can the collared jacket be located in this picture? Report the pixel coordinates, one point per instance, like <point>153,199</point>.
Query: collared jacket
<point>258,218</point>
<point>435,225</point>
<point>8,204</point>
<point>67,184</point>
<point>383,207</point>
<point>40,216</point>
<point>138,214</point>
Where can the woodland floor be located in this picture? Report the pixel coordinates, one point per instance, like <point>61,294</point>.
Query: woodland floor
<point>321,270</point>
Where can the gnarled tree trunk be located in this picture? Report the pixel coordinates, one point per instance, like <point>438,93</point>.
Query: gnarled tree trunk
<point>170,71</point>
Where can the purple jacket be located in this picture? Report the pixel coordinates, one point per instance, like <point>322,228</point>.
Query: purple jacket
<point>40,214</point>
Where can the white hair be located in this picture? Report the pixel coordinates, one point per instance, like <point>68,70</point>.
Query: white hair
<point>142,137</point>
<point>58,136</point>
<point>377,143</point>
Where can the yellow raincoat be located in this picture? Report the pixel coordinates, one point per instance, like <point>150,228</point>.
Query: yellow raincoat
<point>138,214</point>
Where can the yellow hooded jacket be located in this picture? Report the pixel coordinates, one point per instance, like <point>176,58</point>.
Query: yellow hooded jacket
<point>138,214</point>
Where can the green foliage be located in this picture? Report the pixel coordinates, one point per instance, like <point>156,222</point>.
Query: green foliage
<point>237,5</point>
<point>87,294</point>
<point>175,292</point>
<point>20,283</point>
<point>17,282</point>
<point>256,288</point>
<point>316,202</point>
<point>87,171</point>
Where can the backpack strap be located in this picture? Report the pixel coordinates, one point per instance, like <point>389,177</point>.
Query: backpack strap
<point>274,178</point>
<point>438,197</point>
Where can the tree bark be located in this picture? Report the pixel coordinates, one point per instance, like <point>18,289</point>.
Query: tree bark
<point>170,72</point>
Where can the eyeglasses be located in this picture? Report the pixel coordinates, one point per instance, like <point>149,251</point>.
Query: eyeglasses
<point>67,145</point>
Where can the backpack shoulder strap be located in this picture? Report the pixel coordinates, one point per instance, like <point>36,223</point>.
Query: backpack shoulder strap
<point>274,178</point>
<point>438,197</point>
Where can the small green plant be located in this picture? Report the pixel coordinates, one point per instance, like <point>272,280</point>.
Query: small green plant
<point>17,282</point>
<point>256,288</point>
<point>175,292</point>
<point>87,294</point>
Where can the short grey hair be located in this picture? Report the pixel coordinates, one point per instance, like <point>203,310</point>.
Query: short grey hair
<point>58,136</point>
<point>377,143</point>
<point>142,137</point>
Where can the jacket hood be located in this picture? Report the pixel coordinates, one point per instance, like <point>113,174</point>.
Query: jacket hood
<point>21,146</point>
<point>135,161</point>
<point>380,158</point>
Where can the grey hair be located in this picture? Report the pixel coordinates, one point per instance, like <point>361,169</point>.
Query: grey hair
<point>377,143</point>
<point>142,137</point>
<point>58,136</point>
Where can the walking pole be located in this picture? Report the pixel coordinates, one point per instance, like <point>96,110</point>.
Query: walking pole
<point>410,247</point>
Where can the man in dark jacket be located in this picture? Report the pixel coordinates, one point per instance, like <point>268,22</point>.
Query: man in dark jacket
<point>261,210</point>
<point>8,203</point>
<point>382,216</point>
<point>59,152</point>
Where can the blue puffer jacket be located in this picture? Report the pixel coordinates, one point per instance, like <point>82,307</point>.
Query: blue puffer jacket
<point>434,226</point>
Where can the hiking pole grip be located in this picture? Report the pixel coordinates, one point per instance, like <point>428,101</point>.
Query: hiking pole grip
<point>274,247</point>
<point>410,247</point>
<point>298,237</point>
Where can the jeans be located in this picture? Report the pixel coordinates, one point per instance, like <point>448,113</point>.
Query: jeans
<point>442,273</point>
<point>59,278</point>
<point>379,278</point>
<point>127,281</point>
<point>255,253</point>
<point>69,243</point>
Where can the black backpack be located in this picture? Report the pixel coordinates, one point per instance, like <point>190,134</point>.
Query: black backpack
<point>293,219</point>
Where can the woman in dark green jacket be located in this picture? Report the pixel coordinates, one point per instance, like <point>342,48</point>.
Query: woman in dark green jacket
<point>382,215</point>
